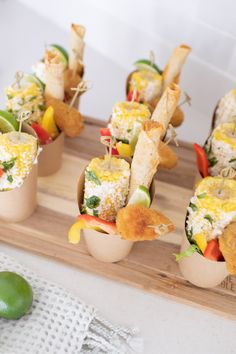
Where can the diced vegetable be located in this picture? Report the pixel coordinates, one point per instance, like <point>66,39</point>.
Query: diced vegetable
<point>202,161</point>
<point>124,149</point>
<point>105,132</point>
<point>43,136</point>
<point>130,96</point>
<point>48,123</point>
<point>212,251</point>
<point>201,241</point>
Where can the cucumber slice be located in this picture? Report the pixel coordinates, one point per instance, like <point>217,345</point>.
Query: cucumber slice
<point>145,64</point>
<point>8,122</point>
<point>61,51</point>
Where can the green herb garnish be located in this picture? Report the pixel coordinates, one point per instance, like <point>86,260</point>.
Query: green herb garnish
<point>91,176</point>
<point>209,218</point>
<point>7,165</point>
<point>212,161</point>
<point>95,213</point>
<point>202,195</point>
<point>32,98</point>
<point>190,233</point>
<point>188,252</point>
<point>41,107</point>
<point>232,160</point>
<point>10,178</point>
<point>193,207</point>
<point>129,130</point>
<point>92,202</point>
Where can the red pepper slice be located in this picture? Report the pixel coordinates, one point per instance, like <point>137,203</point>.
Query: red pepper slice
<point>202,161</point>
<point>42,134</point>
<point>94,221</point>
<point>130,96</point>
<point>105,132</point>
<point>1,172</point>
<point>212,251</point>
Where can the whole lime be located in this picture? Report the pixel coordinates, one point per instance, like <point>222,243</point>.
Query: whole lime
<point>16,296</point>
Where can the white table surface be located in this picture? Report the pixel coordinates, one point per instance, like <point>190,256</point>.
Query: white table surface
<point>167,327</point>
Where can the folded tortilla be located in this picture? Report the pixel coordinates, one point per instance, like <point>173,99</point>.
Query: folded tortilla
<point>76,46</point>
<point>146,156</point>
<point>174,66</point>
<point>166,106</point>
<point>54,75</point>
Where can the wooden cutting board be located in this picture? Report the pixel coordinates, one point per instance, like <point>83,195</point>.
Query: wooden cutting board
<point>150,265</point>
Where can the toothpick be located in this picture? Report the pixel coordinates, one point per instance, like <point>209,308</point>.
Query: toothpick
<point>18,77</point>
<point>110,142</point>
<point>187,99</point>
<point>228,172</point>
<point>173,136</point>
<point>81,87</point>
<point>152,57</point>
<point>161,229</point>
<point>22,116</point>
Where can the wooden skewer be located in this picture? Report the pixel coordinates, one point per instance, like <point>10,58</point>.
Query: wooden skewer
<point>228,172</point>
<point>152,57</point>
<point>187,99</point>
<point>108,141</point>
<point>81,88</point>
<point>173,136</point>
<point>18,77</point>
<point>22,116</point>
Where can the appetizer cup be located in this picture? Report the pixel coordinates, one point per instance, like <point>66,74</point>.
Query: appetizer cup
<point>200,270</point>
<point>50,159</point>
<point>105,247</point>
<point>18,204</point>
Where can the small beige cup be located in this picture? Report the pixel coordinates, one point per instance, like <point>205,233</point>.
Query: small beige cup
<point>201,271</point>
<point>104,247</point>
<point>50,158</point>
<point>18,204</point>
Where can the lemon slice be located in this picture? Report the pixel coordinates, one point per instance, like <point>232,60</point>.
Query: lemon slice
<point>145,64</point>
<point>8,122</point>
<point>34,79</point>
<point>141,196</point>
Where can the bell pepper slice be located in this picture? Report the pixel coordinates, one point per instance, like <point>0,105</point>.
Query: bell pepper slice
<point>201,241</point>
<point>86,221</point>
<point>124,149</point>
<point>130,96</point>
<point>212,251</point>
<point>43,136</point>
<point>94,221</point>
<point>1,172</point>
<point>202,161</point>
<point>105,132</point>
<point>48,123</point>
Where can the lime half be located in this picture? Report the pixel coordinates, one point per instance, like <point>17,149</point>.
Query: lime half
<point>8,122</point>
<point>141,196</point>
<point>145,64</point>
<point>34,79</point>
<point>61,52</point>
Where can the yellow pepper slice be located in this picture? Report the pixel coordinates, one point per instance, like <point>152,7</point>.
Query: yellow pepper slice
<point>75,230</point>
<point>201,241</point>
<point>124,149</point>
<point>49,124</point>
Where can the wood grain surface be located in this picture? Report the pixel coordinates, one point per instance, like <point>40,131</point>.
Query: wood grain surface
<point>151,265</point>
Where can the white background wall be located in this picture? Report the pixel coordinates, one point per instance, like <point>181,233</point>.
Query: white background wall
<point>120,32</point>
